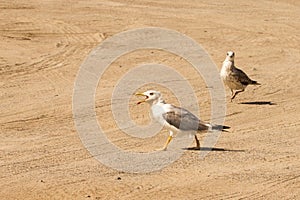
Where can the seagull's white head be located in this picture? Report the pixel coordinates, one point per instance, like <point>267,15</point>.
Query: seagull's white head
<point>230,56</point>
<point>150,96</point>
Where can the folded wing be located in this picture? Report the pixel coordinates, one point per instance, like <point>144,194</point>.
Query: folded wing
<point>184,120</point>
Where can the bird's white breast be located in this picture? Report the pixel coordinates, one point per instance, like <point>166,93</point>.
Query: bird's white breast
<point>225,69</point>
<point>158,110</point>
<point>228,79</point>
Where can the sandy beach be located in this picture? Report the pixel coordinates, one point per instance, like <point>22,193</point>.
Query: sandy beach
<point>44,43</point>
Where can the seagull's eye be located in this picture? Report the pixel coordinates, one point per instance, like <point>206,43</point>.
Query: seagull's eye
<point>151,93</point>
<point>227,54</point>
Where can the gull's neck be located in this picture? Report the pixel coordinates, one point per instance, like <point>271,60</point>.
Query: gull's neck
<point>228,64</point>
<point>158,101</point>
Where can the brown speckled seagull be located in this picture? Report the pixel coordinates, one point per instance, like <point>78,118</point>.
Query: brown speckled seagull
<point>234,78</point>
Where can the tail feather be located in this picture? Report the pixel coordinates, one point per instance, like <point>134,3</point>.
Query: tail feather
<point>218,127</point>
<point>254,83</point>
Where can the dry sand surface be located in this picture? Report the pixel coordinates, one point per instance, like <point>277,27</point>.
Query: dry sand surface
<point>43,44</point>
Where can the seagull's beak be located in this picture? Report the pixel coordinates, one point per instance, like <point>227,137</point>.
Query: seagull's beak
<point>142,101</point>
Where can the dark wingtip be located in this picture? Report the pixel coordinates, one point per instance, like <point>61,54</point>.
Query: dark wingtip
<point>255,83</point>
<point>226,127</point>
<point>221,127</point>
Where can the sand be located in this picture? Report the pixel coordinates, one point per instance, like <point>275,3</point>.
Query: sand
<point>43,44</point>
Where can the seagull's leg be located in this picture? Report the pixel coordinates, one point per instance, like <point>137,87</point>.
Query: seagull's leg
<point>197,143</point>
<point>236,92</point>
<point>232,95</point>
<point>168,141</point>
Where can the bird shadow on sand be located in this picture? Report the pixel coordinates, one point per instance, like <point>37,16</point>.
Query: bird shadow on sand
<point>212,149</point>
<point>258,103</point>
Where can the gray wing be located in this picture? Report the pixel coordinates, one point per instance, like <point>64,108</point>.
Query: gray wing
<point>241,76</point>
<point>184,120</point>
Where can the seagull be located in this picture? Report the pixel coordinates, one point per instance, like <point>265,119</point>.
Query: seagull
<point>175,119</point>
<point>234,78</point>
